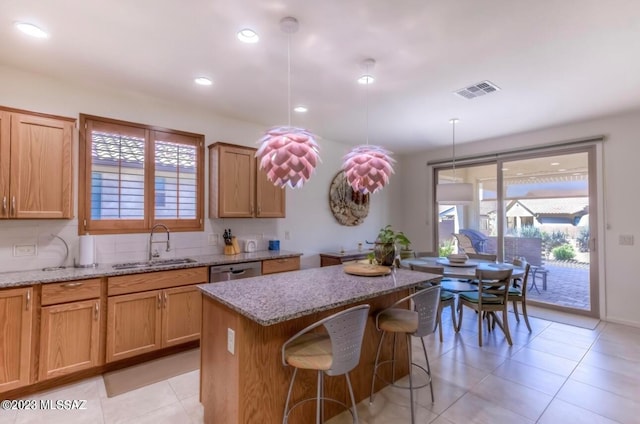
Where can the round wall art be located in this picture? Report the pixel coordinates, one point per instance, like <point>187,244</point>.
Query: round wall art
<point>349,207</point>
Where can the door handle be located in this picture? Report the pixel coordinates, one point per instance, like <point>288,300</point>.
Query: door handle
<point>159,300</point>
<point>13,205</point>
<point>165,300</point>
<point>96,310</point>
<point>28,303</point>
<point>592,244</point>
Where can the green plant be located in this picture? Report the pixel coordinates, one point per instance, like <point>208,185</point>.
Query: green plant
<point>388,235</point>
<point>446,248</point>
<point>564,252</point>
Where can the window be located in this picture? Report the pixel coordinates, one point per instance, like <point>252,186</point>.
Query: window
<point>134,176</point>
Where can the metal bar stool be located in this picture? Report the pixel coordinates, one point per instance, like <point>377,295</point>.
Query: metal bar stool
<point>419,321</point>
<point>334,352</point>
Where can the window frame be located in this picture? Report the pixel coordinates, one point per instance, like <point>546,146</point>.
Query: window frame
<point>151,134</point>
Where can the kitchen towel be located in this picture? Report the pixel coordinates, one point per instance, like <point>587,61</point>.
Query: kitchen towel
<point>87,251</point>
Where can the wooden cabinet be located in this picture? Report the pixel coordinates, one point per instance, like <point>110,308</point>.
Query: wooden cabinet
<point>337,258</point>
<point>70,327</point>
<point>238,188</point>
<point>272,266</point>
<point>142,320</point>
<point>35,165</point>
<point>16,317</point>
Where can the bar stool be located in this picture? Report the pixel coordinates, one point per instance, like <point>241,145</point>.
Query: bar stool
<point>334,352</point>
<point>419,321</point>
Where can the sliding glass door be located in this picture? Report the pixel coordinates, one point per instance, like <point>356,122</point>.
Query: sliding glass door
<point>540,207</point>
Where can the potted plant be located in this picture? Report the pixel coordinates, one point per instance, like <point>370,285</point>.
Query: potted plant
<point>385,245</point>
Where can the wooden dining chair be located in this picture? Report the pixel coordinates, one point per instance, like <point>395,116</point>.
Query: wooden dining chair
<point>518,291</point>
<point>483,256</point>
<point>446,298</point>
<point>491,297</point>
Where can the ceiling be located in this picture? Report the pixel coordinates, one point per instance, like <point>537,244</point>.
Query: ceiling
<point>556,61</point>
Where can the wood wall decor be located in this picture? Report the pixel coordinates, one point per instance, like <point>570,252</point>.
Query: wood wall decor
<point>349,207</point>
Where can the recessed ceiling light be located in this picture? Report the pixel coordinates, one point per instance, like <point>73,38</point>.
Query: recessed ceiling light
<point>366,79</point>
<point>248,35</point>
<point>300,109</point>
<point>31,29</point>
<point>505,169</point>
<point>203,81</point>
<point>555,163</point>
<point>562,169</point>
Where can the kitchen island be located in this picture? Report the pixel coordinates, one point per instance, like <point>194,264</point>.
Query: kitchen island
<point>245,323</point>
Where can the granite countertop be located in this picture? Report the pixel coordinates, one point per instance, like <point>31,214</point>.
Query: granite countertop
<point>25,278</point>
<point>270,299</point>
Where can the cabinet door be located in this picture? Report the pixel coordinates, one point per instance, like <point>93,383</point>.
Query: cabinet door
<point>232,181</point>
<point>181,316</point>
<point>41,167</point>
<point>270,199</point>
<point>16,314</point>
<point>5,162</point>
<point>133,324</point>
<point>69,338</point>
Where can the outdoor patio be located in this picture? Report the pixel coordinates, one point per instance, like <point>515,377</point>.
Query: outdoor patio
<point>567,285</point>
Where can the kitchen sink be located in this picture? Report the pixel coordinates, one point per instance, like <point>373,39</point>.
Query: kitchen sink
<point>153,263</point>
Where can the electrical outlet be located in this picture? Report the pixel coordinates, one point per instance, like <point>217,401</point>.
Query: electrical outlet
<point>24,250</point>
<point>231,341</point>
<point>287,235</point>
<point>213,239</point>
<point>625,240</point>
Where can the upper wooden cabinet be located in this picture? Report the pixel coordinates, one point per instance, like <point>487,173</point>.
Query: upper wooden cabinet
<point>238,188</point>
<point>35,165</point>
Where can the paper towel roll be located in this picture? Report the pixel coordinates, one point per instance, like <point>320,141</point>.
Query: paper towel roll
<point>87,251</point>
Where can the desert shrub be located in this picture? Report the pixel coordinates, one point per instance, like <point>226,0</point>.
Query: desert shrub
<point>564,252</point>
<point>446,248</point>
<point>582,240</point>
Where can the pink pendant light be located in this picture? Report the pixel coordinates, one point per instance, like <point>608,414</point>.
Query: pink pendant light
<point>288,155</point>
<point>366,167</point>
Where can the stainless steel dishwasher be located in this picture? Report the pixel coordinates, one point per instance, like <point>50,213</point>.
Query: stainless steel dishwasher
<point>235,271</point>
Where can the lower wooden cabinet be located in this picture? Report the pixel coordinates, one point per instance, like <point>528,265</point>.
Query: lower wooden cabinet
<point>143,322</point>
<point>272,266</point>
<point>16,318</point>
<point>69,338</point>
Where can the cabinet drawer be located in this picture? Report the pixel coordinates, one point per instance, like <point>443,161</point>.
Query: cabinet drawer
<point>70,291</point>
<point>156,280</point>
<point>272,266</point>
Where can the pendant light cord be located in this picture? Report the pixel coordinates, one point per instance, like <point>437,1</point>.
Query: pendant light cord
<point>289,79</point>
<point>453,122</point>
<point>366,106</point>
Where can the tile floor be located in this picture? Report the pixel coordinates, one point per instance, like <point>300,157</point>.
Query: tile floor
<point>556,374</point>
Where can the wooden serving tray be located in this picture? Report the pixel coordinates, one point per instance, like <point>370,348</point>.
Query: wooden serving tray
<point>366,270</point>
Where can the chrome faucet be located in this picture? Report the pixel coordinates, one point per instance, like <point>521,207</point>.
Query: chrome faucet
<point>156,254</point>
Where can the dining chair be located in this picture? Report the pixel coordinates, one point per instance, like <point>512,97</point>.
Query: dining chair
<point>518,291</point>
<point>336,351</point>
<point>429,254</point>
<point>417,321</point>
<point>446,298</point>
<point>483,256</point>
<point>491,297</point>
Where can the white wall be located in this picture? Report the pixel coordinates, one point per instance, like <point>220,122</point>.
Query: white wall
<point>309,221</point>
<point>618,208</point>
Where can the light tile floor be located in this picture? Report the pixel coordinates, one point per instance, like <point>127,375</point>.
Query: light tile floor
<point>556,374</point>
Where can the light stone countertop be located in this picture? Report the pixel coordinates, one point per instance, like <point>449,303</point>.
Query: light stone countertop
<point>26,278</point>
<point>270,299</point>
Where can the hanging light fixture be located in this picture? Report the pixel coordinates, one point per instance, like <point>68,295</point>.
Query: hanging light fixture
<point>367,168</point>
<point>288,155</point>
<point>454,193</point>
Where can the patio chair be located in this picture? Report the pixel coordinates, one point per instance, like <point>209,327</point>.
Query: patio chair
<point>491,297</point>
<point>464,244</point>
<point>446,298</point>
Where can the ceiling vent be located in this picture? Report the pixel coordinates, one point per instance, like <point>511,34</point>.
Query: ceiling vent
<point>477,90</point>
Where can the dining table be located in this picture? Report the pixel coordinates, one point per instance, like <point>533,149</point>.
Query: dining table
<point>458,276</point>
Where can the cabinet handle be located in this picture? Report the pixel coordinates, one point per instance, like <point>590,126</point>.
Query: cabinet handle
<point>259,210</point>
<point>159,300</point>
<point>165,300</point>
<point>4,203</point>
<point>283,261</point>
<point>251,207</point>
<point>13,205</point>
<point>28,304</point>
<point>72,285</point>
<point>96,310</point>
